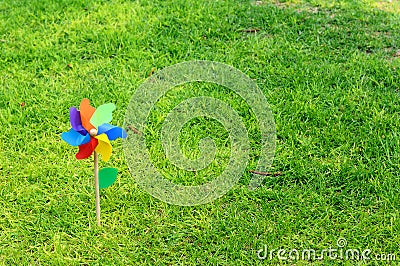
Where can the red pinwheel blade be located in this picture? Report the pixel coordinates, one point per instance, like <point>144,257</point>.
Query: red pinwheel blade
<point>85,150</point>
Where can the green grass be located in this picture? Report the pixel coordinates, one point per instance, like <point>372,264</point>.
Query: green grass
<point>331,76</point>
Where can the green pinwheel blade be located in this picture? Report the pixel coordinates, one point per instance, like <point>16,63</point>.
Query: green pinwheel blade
<point>107,177</point>
<point>102,115</point>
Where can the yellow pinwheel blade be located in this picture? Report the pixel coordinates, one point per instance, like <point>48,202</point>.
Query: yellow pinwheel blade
<point>103,147</point>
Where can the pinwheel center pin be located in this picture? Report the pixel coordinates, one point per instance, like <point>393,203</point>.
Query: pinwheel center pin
<point>92,134</point>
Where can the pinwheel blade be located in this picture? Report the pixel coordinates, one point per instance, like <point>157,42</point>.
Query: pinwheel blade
<point>86,112</point>
<point>107,177</point>
<point>74,138</point>
<point>76,122</point>
<point>87,149</point>
<point>103,114</point>
<point>112,132</point>
<point>104,147</point>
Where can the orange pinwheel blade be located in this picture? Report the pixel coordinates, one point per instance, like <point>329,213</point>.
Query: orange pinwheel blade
<point>87,112</point>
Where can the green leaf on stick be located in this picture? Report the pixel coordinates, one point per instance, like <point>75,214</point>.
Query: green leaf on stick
<point>107,177</point>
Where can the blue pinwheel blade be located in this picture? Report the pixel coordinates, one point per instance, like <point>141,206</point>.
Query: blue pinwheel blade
<point>74,138</point>
<point>112,132</point>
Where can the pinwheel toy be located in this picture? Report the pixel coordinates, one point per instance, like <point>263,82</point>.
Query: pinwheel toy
<point>92,134</point>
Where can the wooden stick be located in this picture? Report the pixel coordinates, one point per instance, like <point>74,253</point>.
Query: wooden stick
<point>96,186</point>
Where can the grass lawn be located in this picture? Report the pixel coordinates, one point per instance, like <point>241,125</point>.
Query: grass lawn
<point>330,71</point>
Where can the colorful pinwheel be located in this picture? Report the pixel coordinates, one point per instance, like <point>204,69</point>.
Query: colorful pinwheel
<point>92,134</point>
